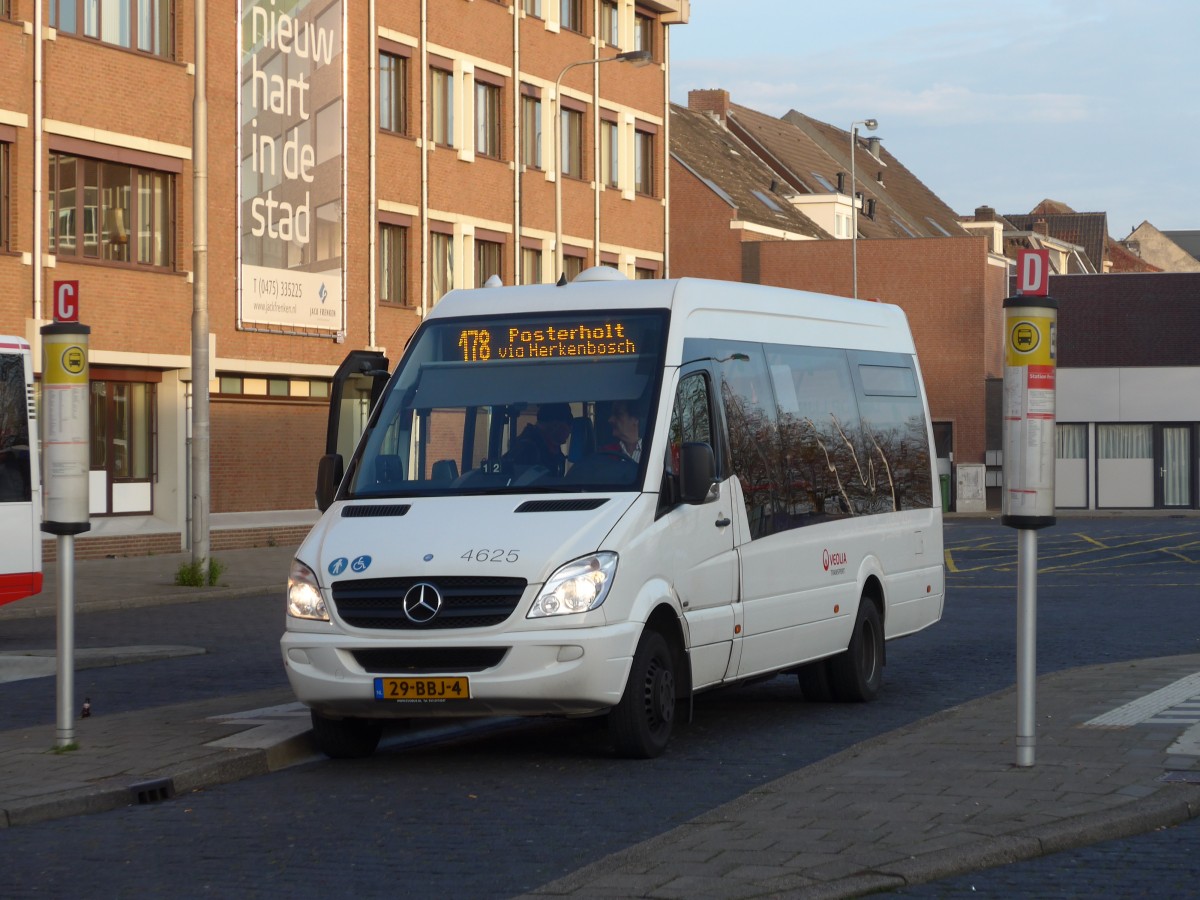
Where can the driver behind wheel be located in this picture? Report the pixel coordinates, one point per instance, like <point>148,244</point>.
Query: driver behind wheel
<point>626,429</point>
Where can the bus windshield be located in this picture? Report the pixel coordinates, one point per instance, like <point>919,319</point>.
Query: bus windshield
<point>517,404</point>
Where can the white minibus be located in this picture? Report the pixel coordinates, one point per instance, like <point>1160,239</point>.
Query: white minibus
<point>602,497</point>
<point>20,484</point>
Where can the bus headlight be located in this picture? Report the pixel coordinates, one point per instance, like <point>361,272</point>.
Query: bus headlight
<point>576,587</point>
<point>304,600</point>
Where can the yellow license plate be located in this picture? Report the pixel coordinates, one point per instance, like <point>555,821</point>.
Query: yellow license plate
<point>422,690</point>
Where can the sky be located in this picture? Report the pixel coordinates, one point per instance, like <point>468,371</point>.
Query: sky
<point>1095,103</point>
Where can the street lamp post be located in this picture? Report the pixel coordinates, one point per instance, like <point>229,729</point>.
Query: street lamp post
<point>634,56</point>
<point>870,125</point>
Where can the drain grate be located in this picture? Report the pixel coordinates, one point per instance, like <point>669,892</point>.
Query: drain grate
<point>152,791</point>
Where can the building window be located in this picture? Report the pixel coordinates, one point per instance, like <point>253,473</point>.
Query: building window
<point>572,266</point>
<point>531,265</point>
<point>441,264</point>
<point>145,25</point>
<point>572,143</point>
<point>123,429</point>
<point>393,93</point>
<point>532,7</point>
<point>643,274</point>
<point>393,264</point>
<point>487,260</point>
<point>487,120</point>
<point>571,15</point>
<point>92,213</point>
<point>643,162</point>
<point>643,33</point>
<point>441,106</point>
<point>609,157</point>
<point>609,23</point>
<point>4,242</point>
<point>531,131</point>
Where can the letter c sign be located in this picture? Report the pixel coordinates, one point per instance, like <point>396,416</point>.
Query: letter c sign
<point>66,301</point>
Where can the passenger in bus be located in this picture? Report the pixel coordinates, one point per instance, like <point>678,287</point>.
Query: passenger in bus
<point>626,429</point>
<point>540,444</point>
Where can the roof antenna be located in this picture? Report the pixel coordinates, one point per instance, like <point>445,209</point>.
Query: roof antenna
<point>562,280</point>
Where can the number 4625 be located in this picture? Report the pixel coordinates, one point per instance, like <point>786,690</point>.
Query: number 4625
<point>486,556</point>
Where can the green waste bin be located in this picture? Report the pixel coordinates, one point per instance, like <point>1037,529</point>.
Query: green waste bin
<point>945,492</point>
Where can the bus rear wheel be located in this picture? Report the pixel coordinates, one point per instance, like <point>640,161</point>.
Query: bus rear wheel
<point>856,674</point>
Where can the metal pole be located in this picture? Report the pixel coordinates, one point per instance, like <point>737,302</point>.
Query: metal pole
<point>65,665</point>
<point>638,57</point>
<point>558,158</point>
<point>1026,645</point>
<point>200,360</point>
<point>853,210</point>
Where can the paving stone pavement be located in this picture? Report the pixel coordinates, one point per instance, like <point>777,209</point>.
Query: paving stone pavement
<point>940,797</point>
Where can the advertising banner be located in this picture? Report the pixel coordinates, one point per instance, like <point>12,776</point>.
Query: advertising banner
<point>292,165</point>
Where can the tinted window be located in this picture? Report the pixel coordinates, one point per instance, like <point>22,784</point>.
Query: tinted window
<point>820,433</point>
<point>895,438</point>
<point>818,426</point>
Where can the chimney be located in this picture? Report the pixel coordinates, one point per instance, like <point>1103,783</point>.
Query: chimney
<point>841,182</point>
<point>985,214</point>
<point>873,146</point>
<point>715,102</point>
<point>1041,227</point>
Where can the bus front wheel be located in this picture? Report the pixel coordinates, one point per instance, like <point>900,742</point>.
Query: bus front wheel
<point>640,724</point>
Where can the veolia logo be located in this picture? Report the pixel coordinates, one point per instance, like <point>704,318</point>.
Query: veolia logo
<point>832,560</point>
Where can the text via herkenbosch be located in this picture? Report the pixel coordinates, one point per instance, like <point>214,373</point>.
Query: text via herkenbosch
<point>834,562</point>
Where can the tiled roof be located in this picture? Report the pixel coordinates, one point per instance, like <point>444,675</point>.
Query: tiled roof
<point>809,169</point>
<point>734,172</point>
<point>904,195</point>
<point>1124,261</point>
<point>1188,240</point>
<point>1089,230</point>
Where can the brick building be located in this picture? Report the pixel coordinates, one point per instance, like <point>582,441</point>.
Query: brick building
<point>362,159</point>
<point>768,201</point>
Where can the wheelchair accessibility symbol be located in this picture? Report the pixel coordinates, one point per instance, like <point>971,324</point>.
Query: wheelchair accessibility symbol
<point>361,563</point>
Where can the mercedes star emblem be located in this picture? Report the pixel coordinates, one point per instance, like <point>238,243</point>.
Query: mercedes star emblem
<point>422,602</point>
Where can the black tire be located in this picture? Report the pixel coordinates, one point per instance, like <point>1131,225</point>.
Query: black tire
<point>856,674</point>
<point>814,681</point>
<point>346,738</point>
<point>641,723</point>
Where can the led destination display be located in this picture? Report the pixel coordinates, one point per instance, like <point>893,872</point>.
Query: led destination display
<point>605,338</point>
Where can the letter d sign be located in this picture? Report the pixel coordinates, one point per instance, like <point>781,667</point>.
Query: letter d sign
<point>1033,273</point>
<point>66,301</point>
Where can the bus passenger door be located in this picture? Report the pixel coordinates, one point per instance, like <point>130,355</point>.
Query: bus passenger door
<point>357,386</point>
<point>700,544</point>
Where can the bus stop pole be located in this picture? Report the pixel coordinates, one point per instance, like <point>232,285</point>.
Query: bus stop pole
<point>1026,646</point>
<point>65,666</point>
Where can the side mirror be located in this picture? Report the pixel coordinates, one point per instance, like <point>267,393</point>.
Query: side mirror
<point>697,472</point>
<point>329,476</point>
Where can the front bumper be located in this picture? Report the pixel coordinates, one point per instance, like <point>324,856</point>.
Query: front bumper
<point>562,672</point>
